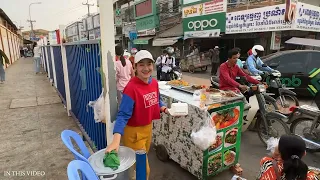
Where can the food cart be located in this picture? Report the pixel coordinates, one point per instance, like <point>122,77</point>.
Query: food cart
<point>171,135</point>
<point>192,62</point>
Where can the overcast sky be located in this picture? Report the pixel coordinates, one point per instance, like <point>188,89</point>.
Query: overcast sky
<point>48,15</point>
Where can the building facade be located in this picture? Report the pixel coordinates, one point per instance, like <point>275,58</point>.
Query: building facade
<point>10,40</point>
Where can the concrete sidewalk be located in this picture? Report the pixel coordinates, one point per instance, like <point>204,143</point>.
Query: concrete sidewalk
<point>32,118</point>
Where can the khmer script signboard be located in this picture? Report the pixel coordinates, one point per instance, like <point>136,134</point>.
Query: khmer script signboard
<point>264,19</point>
<point>307,18</point>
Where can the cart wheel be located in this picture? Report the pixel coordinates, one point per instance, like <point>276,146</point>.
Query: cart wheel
<point>191,69</point>
<point>162,153</point>
<point>203,69</point>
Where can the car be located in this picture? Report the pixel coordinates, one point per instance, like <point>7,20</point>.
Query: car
<point>300,69</point>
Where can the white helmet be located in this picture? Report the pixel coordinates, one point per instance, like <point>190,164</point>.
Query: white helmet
<point>257,48</point>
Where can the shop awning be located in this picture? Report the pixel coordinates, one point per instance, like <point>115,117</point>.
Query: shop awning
<point>142,40</point>
<point>165,41</point>
<point>304,42</point>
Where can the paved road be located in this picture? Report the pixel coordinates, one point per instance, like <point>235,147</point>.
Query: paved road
<point>251,151</point>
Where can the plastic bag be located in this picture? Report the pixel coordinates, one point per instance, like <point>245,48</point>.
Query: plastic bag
<point>272,143</point>
<point>98,108</point>
<point>205,134</point>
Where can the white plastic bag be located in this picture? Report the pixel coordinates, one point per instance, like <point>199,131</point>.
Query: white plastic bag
<point>98,108</point>
<point>205,134</point>
<point>272,143</point>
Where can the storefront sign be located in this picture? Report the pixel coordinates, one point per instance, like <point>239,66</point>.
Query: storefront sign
<point>205,23</point>
<point>148,32</point>
<point>202,34</point>
<point>145,23</point>
<point>307,17</point>
<point>264,19</point>
<point>141,41</point>
<point>211,7</point>
<point>97,33</point>
<point>96,21</point>
<point>190,1</point>
<point>89,23</point>
<point>143,9</point>
<point>275,40</point>
<point>133,35</point>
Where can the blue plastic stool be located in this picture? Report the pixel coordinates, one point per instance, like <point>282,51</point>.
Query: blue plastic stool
<point>85,168</point>
<point>66,137</point>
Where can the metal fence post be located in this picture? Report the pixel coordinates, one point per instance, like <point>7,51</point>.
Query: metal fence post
<point>65,71</point>
<point>53,67</point>
<point>108,53</point>
<point>47,61</point>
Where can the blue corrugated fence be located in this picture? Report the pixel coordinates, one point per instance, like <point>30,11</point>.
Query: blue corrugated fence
<point>59,72</point>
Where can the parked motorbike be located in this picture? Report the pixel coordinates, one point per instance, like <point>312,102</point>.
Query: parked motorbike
<point>305,122</point>
<point>266,122</point>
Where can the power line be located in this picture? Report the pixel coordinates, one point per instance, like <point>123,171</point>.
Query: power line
<point>88,6</point>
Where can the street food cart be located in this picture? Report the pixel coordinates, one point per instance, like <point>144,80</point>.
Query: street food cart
<point>192,62</point>
<point>171,135</point>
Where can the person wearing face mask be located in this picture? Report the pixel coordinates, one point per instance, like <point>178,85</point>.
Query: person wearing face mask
<point>140,105</point>
<point>286,163</point>
<point>254,63</point>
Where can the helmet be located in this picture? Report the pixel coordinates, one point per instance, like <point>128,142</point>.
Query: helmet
<point>134,51</point>
<point>256,49</point>
<point>170,50</point>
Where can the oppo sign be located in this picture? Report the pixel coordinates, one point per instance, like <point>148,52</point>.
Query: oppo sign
<point>202,24</point>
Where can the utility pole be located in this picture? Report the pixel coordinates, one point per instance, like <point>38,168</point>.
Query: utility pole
<point>88,6</point>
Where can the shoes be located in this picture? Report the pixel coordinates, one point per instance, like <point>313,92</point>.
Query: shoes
<point>1,82</point>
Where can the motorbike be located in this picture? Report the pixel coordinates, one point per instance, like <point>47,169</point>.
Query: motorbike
<point>263,120</point>
<point>277,89</point>
<point>305,122</point>
<point>173,74</point>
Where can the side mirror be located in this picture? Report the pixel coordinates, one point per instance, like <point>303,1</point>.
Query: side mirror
<point>274,65</point>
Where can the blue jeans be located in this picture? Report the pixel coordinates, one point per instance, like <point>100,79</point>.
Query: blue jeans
<point>2,74</point>
<point>37,64</point>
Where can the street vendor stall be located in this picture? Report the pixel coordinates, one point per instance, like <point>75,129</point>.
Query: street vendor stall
<point>171,135</point>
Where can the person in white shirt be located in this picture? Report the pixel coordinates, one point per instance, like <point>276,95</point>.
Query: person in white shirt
<point>159,63</point>
<point>37,56</point>
<point>167,65</point>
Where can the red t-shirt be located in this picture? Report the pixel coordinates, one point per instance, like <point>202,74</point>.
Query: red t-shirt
<point>267,172</point>
<point>228,76</point>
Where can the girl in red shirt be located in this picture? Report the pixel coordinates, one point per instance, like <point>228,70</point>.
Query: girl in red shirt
<point>286,163</point>
<point>139,106</point>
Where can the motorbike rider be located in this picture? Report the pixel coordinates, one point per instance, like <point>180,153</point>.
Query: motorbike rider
<point>254,62</point>
<point>167,65</point>
<point>159,63</point>
<point>229,71</point>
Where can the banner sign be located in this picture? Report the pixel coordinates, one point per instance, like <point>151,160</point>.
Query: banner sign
<point>211,7</point>
<point>307,17</point>
<point>264,19</point>
<point>204,23</point>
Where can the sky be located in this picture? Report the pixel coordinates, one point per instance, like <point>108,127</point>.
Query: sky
<point>48,15</point>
